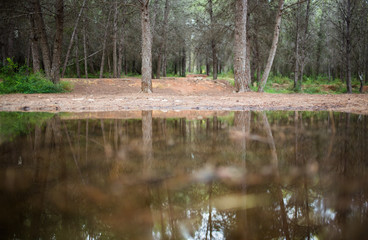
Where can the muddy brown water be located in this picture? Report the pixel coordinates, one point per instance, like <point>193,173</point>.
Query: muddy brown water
<point>228,175</point>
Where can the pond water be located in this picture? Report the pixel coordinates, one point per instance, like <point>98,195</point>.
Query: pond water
<point>227,175</point>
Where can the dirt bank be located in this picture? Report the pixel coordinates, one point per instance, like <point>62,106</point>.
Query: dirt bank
<point>192,93</point>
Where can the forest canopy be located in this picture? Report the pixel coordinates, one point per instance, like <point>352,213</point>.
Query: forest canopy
<point>323,40</point>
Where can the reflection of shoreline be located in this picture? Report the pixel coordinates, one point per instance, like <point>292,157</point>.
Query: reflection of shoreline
<point>188,114</point>
<point>233,166</point>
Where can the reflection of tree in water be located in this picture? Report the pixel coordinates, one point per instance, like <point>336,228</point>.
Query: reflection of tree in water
<point>310,165</point>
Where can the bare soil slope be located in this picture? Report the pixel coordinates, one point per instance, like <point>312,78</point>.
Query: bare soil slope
<point>195,92</point>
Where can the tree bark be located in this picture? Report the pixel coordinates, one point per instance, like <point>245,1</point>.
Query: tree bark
<point>72,38</point>
<point>240,46</point>
<point>304,42</point>
<point>183,63</point>
<point>41,31</point>
<point>115,41</point>
<point>85,50</point>
<point>146,85</point>
<point>58,43</point>
<point>273,49</point>
<point>3,60</point>
<point>162,50</point>
<point>121,49</point>
<point>248,71</point>
<point>77,56</point>
<point>213,41</point>
<point>296,52</point>
<point>348,47</point>
<point>34,46</point>
<point>104,46</point>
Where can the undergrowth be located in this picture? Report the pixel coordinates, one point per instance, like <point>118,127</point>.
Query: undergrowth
<point>15,79</point>
<point>310,85</point>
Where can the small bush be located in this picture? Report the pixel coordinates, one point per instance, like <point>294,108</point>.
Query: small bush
<point>17,80</point>
<point>280,79</point>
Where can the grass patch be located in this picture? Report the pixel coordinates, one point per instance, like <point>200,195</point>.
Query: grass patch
<point>18,80</point>
<point>310,85</point>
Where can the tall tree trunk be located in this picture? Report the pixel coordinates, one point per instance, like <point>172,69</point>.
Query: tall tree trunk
<point>41,31</point>
<point>11,44</point>
<point>115,41</point>
<point>3,55</point>
<point>199,70</point>
<point>34,46</point>
<point>296,52</point>
<point>304,42</point>
<point>58,43</point>
<point>121,49</point>
<point>213,41</point>
<point>348,47</point>
<point>190,60</point>
<point>183,63</point>
<point>257,49</point>
<point>104,46</point>
<point>273,49</point>
<point>248,71</point>
<point>77,56</point>
<point>162,50</point>
<point>146,49</point>
<point>72,37</point>
<point>240,46</point>
<point>85,50</point>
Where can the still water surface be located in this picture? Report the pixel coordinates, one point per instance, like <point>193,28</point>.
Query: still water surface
<point>242,175</point>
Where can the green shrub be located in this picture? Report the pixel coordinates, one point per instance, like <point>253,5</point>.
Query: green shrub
<point>280,79</point>
<point>17,80</point>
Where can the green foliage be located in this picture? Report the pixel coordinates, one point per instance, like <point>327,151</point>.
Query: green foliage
<point>14,124</point>
<point>279,79</point>
<point>310,85</point>
<point>228,76</point>
<point>17,79</point>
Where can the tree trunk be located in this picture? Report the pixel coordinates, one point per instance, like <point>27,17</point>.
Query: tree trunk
<point>190,60</point>
<point>257,50</point>
<point>72,38</point>
<point>104,47</point>
<point>115,41</point>
<point>109,66</point>
<point>240,47</point>
<point>273,49</point>
<point>213,41</point>
<point>304,42</point>
<point>183,63</point>
<point>41,31</point>
<point>121,49</point>
<point>248,71</point>
<point>34,46</point>
<point>11,44</point>
<point>77,56</point>
<point>348,47</point>
<point>126,66</point>
<point>296,52</point>
<point>146,49</point>
<point>361,79</point>
<point>198,65</point>
<point>3,55</point>
<point>85,51</point>
<point>58,43</point>
<point>162,50</point>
